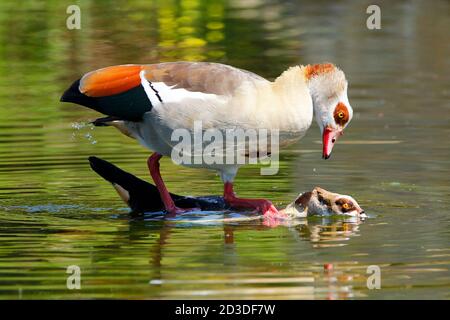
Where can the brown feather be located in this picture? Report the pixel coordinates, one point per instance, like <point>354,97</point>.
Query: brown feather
<point>203,77</point>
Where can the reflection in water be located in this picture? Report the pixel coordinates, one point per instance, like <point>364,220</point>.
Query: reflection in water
<point>328,233</point>
<point>55,212</point>
<point>329,284</point>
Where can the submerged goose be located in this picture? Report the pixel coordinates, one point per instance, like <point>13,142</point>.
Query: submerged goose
<point>148,102</point>
<point>144,197</point>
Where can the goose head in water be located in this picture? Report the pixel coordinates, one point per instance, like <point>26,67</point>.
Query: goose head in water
<point>142,196</point>
<point>324,203</point>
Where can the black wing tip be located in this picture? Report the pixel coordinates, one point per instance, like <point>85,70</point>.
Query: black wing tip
<point>129,105</point>
<point>100,166</point>
<point>114,174</point>
<point>72,92</point>
<point>144,197</point>
<point>103,168</point>
<point>93,160</point>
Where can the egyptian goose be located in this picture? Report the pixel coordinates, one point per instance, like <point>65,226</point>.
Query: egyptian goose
<point>143,197</point>
<point>148,102</point>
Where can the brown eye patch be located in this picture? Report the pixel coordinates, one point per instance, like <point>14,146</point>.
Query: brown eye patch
<point>345,205</point>
<point>341,114</point>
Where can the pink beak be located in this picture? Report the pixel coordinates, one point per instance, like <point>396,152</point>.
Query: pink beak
<point>329,137</point>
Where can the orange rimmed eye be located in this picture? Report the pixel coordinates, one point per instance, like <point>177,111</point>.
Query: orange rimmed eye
<point>341,114</point>
<point>346,206</point>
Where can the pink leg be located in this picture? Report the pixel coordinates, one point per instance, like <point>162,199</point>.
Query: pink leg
<point>261,205</point>
<point>153,165</point>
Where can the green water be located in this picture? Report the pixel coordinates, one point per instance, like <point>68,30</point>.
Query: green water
<point>394,157</point>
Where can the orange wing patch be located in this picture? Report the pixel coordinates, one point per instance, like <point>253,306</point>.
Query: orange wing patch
<point>316,69</point>
<point>111,80</point>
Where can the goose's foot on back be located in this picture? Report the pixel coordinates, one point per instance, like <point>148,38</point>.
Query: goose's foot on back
<point>172,212</point>
<point>262,206</point>
<point>169,205</point>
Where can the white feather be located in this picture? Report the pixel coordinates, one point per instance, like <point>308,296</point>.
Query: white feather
<point>148,90</point>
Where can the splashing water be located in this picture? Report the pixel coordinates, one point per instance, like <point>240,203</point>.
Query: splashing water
<point>81,126</point>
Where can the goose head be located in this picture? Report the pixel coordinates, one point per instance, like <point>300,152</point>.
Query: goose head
<point>328,89</point>
<point>324,203</point>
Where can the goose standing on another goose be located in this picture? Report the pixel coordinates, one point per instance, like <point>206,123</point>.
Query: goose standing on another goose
<point>148,102</point>
<point>143,197</point>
